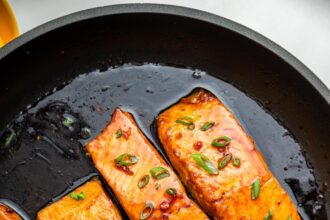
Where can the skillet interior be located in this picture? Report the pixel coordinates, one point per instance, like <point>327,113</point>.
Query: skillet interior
<point>57,56</point>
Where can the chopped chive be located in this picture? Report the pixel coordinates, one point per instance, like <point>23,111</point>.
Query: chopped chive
<point>221,141</point>
<point>207,126</point>
<point>77,196</point>
<point>146,211</point>
<point>159,173</point>
<point>119,133</point>
<point>224,161</point>
<point>255,189</point>
<point>171,191</point>
<point>236,161</point>
<point>143,181</point>
<point>121,160</point>
<point>157,186</point>
<point>184,120</point>
<point>204,162</point>
<point>269,215</point>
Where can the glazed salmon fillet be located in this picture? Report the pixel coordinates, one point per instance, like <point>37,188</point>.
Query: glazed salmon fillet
<point>86,202</point>
<point>144,184</point>
<point>7,213</point>
<point>219,162</point>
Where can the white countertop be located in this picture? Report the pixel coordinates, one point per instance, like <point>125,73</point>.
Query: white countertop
<point>302,27</point>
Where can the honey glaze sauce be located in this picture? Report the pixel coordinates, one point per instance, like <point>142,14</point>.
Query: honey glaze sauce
<point>42,153</point>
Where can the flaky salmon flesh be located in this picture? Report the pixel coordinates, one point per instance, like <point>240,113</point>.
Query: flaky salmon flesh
<point>219,162</point>
<point>89,201</point>
<point>146,187</point>
<point>7,213</point>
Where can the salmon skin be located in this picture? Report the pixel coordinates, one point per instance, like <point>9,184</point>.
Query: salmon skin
<point>7,213</point>
<point>218,161</point>
<point>144,184</point>
<point>87,202</point>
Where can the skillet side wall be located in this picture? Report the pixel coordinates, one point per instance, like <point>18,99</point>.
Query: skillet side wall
<point>60,55</point>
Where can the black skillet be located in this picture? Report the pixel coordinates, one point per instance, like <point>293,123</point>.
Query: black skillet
<point>280,102</point>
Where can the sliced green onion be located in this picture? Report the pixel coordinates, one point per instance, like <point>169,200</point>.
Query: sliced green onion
<point>171,191</point>
<point>146,211</point>
<point>121,160</point>
<point>119,133</point>
<point>269,215</point>
<point>159,173</point>
<point>255,189</point>
<point>9,139</point>
<point>236,161</point>
<point>207,126</point>
<point>68,121</point>
<point>157,186</point>
<point>85,132</point>
<point>191,126</point>
<point>204,162</point>
<point>224,161</point>
<point>143,181</point>
<point>289,218</point>
<point>77,196</point>
<point>221,141</point>
<point>184,120</point>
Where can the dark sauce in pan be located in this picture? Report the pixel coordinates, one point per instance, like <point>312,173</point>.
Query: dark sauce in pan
<point>42,155</point>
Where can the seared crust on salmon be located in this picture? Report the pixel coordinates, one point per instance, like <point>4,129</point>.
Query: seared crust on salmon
<point>219,162</point>
<point>93,203</point>
<point>144,184</point>
<point>7,213</point>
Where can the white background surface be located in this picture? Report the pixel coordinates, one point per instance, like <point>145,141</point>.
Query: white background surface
<point>302,27</point>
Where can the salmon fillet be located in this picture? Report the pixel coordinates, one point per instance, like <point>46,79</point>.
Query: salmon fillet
<point>86,202</point>
<point>144,184</point>
<point>233,181</point>
<point>8,214</point>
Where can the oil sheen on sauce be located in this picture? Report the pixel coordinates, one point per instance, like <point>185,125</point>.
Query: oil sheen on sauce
<point>42,151</point>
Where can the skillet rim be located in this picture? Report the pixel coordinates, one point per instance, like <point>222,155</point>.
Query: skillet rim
<point>136,8</point>
<point>164,9</point>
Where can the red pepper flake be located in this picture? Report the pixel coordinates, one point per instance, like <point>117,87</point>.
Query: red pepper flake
<point>171,198</point>
<point>178,136</point>
<point>164,205</point>
<point>198,145</point>
<point>178,195</point>
<point>165,216</point>
<point>126,134</point>
<point>9,210</point>
<point>125,169</point>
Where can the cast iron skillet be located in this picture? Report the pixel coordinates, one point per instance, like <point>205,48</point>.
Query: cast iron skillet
<point>137,33</point>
